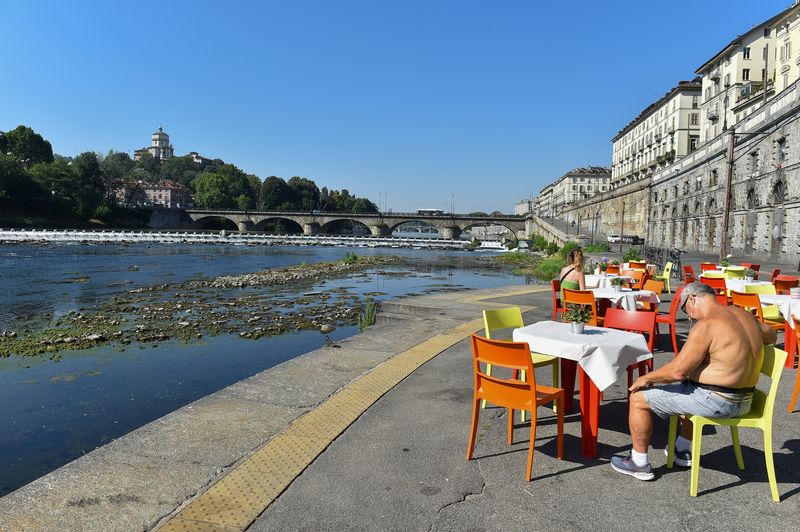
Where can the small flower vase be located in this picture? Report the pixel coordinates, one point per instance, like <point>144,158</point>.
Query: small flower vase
<point>597,271</point>
<point>748,279</point>
<point>617,288</point>
<point>576,327</point>
<point>603,273</point>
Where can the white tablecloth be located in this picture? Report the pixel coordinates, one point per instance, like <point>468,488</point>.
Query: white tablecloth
<point>600,281</point>
<point>604,354</point>
<point>739,284</point>
<point>786,305</point>
<point>627,298</point>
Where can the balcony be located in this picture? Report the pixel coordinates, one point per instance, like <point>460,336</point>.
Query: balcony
<point>713,114</point>
<point>714,73</point>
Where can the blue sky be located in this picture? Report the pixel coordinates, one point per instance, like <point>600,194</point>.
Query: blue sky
<point>413,104</point>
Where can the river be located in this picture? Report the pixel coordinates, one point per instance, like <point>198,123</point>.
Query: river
<point>53,411</point>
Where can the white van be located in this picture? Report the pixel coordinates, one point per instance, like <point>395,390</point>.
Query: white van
<point>613,238</point>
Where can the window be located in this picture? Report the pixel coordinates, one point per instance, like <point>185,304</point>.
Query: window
<point>713,179</point>
<point>764,53</point>
<point>727,80</point>
<point>754,163</point>
<point>746,52</point>
<point>694,102</point>
<point>694,119</point>
<point>766,32</point>
<point>782,152</point>
<point>693,140</point>
<point>746,74</point>
<point>785,79</point>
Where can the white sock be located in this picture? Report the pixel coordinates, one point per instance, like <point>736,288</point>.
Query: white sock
<point>640,459</point>
<point>682,444</point>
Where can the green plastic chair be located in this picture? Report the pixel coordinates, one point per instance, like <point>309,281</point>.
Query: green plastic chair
<point>505,318</point>
<point>770,312</point>
<point>713,275</point>
<point>734,272</point>
<point>759,417</point>
<point>665,275</point>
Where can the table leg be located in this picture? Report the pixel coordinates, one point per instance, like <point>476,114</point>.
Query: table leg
<point>789,344</point>
<point>568,369</point>
<point>590,409</point>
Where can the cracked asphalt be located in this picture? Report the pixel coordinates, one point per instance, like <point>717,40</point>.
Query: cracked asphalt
<point>402,466</point>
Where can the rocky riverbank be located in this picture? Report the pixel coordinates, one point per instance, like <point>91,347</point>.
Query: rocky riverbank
<point>251,305</point>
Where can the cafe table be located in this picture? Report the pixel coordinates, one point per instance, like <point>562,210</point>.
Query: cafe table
<point>739,284</point>
<point>626,298</point>
<point>788,307</point>
<point>601,281</point>
<point>600,355</point>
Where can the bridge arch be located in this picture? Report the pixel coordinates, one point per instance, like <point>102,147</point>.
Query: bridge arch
<point>215,221</point>
<point>278,224</point>
<point>345,226</point>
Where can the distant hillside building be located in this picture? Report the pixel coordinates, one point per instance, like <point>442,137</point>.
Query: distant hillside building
<point>579,184</point>
<point>165,194</point>
<point>159,148</point>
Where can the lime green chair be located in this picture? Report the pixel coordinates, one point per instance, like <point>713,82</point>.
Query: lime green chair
<point>665,275</point>
<point>505,318</point>
<point>710,274</point>
<point>734,272</point>
<point>770,312</point>
<point>759,417</point>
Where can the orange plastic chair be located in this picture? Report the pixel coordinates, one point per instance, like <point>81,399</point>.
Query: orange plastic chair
<point>511,393</point>
<point>688,278</point>
<point>784,282</point>
<point>638,278</point>
<point>754,267</point>
<point>688,270</point>
<point>632,321</point>
<point>705,266</point>
<point>582,297</point>
<point>718,285</point>
<point>613,268</point>
<point>669,319</point>
<point>636,264</point>
<point>775,273</point>
<point>722,299</point>
<point>653,286</point>
<point>558,306</point>
<point>752,303</point>
<point>797,379</point>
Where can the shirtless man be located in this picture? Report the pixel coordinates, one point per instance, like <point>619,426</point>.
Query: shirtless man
<point>714,376</point>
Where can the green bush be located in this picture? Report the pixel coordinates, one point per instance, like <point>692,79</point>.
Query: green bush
<point>350,258</point>
<point>597,248</point>
<point>549,268</point>
<point>632,254</point>
<point>367,316</point>
<point>539,243</point>
<point>552,248</point>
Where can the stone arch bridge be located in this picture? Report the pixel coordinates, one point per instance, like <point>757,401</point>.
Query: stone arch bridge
<point>380,224</point>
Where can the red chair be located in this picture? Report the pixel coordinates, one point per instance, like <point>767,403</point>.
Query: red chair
<point>632,321</point>
<point>784,282</point>
<point>612,268</point>
<point>754,267</point>
<point>717,284</point>
<point>637,264</point>
<point>776,272</point>
<point>669,319</point>
<point>705,266</point>
<point>722,299</point>
<point>511,393</point>
<point>797,379</point>
<point>688,278</point>
<point>557,305</point>
<point>688,270</point>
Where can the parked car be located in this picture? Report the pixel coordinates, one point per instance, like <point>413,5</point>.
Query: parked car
<point>613,238</point>
<point>632,239</point>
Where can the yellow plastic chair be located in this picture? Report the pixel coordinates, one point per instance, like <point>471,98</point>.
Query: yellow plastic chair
<point>734,272</point>
<point>759,417</point>
<point>665,275</point>
<point>709,274</point>
<point>511,317</point>
<point>770,312</point>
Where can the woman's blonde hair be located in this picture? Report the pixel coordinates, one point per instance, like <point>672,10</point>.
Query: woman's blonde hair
<point>575,258</point>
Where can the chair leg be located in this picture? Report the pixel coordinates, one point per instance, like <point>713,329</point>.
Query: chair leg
<point>789,344</point>
<point>795,392</point>
<point>737,449</point>
<point>523,414</point>
<point>488,372</point>
<point>674,338</point>
<point>673,429</point>
<point>560,414</point>
<point>474,429</point>
<point>510,426</point>
<point>556,365</point>
<point>530,450</point>
<point>773,485</point>
<point>697,438</point>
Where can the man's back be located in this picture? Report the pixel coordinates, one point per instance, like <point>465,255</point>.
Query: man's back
<point>735,344</point>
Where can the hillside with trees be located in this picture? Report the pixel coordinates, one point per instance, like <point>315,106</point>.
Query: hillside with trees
<point>34,180</point>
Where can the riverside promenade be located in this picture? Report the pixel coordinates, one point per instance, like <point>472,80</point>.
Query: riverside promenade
<point>372,435</point>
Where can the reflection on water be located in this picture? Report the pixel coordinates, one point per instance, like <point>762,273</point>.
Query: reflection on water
<point>52,413</point>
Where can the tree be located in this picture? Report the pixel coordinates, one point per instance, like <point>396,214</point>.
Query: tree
<point>181,170</point>
<point>59,184</point>
<point>14,182</point>
<point>210,191</point>
<point>307,193</point>
<point>151,165</point>
<point>275,193</point>
<point>90,191</point>
<point>115,168</point>
<point>27,146</point>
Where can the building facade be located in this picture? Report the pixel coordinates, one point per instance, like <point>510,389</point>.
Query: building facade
<point>523,207</point>
<point>665,131</point>
<point>165,194</point>
<point>579,184</point>
<point>159,148</point>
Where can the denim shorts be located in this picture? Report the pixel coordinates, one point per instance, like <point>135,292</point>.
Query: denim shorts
<point>683,398</point>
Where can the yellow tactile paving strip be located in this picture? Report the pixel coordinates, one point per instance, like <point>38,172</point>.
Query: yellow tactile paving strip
<point>239,497</point>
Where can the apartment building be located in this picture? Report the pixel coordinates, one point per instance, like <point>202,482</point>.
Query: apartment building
<point>542,205</point>
<point>665,131</point>
<point>579,184</point>
<point>787,49</point>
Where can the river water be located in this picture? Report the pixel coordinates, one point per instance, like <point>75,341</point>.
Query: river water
<point>53,412</point>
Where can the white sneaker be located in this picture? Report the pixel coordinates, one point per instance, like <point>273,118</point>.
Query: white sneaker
<point>627,467</point>
<point>682,458</point>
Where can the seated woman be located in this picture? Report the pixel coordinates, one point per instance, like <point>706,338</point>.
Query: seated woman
<point>572,275</point>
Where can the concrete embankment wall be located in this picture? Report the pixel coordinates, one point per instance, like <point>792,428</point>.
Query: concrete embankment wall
<point>537,226</point>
